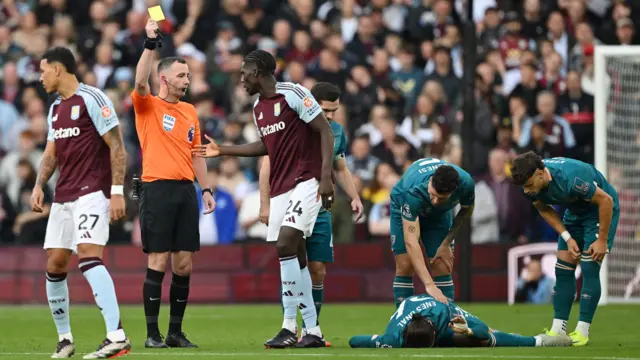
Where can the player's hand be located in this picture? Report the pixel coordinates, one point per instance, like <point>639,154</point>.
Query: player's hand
<point>151,28</point>
<point>574,249</point>
<point>264,214</point>
<point>445,254</point>
<point>598,249</point>
<point>37,199</point>
<point>209,203</point>
<point>209,150</point>
<point>433,290</point>
<point>357,208</point>
<point>459,325</point>
<point>325,192</point>
<point>116,208</point>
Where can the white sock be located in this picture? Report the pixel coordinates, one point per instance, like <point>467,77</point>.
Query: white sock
<point>290,276</point>
<point>307,306</point>
<point>538,340</point>
<point>559,326</point>
<point>117,335</point>
<point>58,297</point>
<point>290,324</point>
<point>315,331</point>
<point>583,328</point>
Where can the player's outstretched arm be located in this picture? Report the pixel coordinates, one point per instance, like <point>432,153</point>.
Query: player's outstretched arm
<point>363,341</point>
<point>343,174</point>
<point>143,69</point>
<point>605,213</point>
<point>212,149</point>
<point>411,231</point>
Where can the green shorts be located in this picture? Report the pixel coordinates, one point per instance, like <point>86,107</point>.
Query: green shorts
<point>433,230</point>
<point>320,244</point>
<point>585,229</point>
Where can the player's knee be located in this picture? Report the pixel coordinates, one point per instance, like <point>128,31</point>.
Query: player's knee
<point>439,268</point>
<point>318,271</point>
<point>58,261</point>
<point>403,265</point>
<point>288,242</point>
<point>90,251</point>
<point>158,261</point>
<point>181,263</point>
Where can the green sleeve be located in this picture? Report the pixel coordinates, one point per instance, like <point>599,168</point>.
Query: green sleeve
<point>341,151</point>
<point>374,341</point>
<point>468,191</point>
<point>410,207</point>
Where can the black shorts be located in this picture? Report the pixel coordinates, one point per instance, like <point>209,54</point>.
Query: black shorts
<point>169,216</point>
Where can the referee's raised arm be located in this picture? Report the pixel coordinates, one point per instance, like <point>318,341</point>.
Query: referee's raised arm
<point>168,130</point>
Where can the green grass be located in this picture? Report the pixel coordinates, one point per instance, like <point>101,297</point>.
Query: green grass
<point>238,332</point>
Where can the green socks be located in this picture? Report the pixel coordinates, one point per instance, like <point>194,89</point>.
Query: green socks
<point>317,291</point>
<point>445,284</point>
<point>590,295</point>
<point>402,288</point>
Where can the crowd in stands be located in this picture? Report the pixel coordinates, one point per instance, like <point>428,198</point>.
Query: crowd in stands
<point>398,62</point>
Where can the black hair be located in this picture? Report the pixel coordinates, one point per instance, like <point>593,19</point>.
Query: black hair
<point>168,61</point>
<point>63,56</point>
<point>264,61</point>
<point>445,180</point>
<point>324,91</point>
<point>419,333</point>
<point>524,166</point>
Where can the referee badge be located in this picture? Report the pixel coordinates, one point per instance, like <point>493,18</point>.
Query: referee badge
<point>191,133</point>
<point>168,122</point>
<point>75,112</point>
<point>276,109</point>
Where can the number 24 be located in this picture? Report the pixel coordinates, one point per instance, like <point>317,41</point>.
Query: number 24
<point>84,218</point>
<point>296,208</point>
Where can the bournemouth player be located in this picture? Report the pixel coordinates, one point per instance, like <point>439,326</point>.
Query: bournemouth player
<point>299,142</point>
<point>421,208</point>
<point>586,230</point>
<point>320,244</point>
<point>86,144</point>
<point>423,322</point>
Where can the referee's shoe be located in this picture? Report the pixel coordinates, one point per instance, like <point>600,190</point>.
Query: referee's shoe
<point>175,340</point>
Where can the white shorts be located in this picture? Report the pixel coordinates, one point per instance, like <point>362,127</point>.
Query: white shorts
<point>297,208</point>
<point>84,220</point>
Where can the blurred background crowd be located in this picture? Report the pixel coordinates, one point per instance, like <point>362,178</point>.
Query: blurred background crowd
<point>398,62</point>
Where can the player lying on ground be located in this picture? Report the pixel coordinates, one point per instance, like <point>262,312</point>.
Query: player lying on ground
<point>320,244</point>
<point>86,144</point>
<point>421,208</point>
<point>299,141</point>
<point>421,321</point>
<point>586,231</point>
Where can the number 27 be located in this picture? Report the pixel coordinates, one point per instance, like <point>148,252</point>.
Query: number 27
<point>84,218</point>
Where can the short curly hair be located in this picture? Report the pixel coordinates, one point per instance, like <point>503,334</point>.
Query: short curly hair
<point>264,61</point>
<point>445,180</point>
<point>524,166</point>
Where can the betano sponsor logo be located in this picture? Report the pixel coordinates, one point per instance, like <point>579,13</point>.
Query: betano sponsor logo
<point>65,133</point>
<point>270,129</point>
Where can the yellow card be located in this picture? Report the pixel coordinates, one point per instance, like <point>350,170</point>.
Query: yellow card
<point>156,13</point>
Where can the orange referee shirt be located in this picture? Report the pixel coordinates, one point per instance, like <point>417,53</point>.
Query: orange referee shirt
<point>167,133</point>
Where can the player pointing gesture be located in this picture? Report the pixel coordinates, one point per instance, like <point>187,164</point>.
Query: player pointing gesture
<point>300,144</point>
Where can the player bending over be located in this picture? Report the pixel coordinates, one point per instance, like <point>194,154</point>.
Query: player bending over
<point>85,143</point>
<point>586,231</point>
<point>320,244</point>
<point>421,321</point>
<point>421,208</point>
<point>299,142</point>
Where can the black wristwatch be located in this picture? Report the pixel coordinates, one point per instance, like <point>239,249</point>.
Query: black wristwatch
<point>207,190</point>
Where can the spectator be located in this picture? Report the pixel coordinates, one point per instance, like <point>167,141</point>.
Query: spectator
<point>360,161</point>
<point>578,109</point>
<point>221,227</point>
<point>534,286</point>
<point>528,88</point>
<point>557,130</point>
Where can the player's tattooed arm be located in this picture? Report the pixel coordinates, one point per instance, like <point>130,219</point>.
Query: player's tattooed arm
<point>48,164</point>
<point>114,140</point>
<point>463,215</point>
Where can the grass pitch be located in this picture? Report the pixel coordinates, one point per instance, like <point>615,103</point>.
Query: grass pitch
<point>239,331</point>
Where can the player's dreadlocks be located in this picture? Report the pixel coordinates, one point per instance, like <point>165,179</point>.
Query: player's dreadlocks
<point>524,166</point>
<point>419,333</point>
<point>445,180</point>
<point>324,91</point>
<point>264,61</point>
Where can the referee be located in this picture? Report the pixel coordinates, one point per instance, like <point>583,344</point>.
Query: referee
<point>169,220</point>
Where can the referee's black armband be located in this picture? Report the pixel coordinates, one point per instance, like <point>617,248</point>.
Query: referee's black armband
<point>152,44</point>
